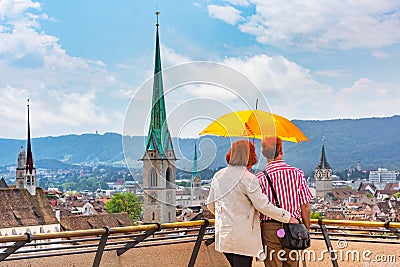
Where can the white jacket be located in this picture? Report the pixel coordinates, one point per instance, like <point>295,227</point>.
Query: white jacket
<point>235,198</point>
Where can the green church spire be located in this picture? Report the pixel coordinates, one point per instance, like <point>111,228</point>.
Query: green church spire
<point>195,172</point>
<point>158,137</point>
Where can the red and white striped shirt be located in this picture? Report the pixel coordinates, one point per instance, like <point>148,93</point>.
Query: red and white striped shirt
<point>290,186</point>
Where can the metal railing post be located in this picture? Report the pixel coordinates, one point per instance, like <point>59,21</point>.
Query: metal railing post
<point>197,245</point>
<point>328,243</point>
<point>393,230</point>
<point>210,241</point>
<point>15,247</point>
<point>100,249</point>
<point>138,240</point>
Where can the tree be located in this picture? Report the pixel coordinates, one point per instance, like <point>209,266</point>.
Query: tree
<point>125,202</point>
<point>369,195</point>
<point>316,215</point>
<point>396,195</point>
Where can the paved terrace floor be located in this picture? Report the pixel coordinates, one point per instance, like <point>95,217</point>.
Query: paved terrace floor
<point>179,255</point>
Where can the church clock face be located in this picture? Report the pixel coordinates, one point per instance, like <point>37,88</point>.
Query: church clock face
<point>318,174</point>
<point>328,173</point>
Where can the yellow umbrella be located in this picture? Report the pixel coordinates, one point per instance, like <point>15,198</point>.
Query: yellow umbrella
<point>255,124</point>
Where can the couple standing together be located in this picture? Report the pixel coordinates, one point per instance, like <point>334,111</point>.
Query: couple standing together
<point>245,216</point>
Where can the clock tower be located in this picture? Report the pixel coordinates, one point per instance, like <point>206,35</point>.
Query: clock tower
<point>159,171</point>
<point>323,176</point>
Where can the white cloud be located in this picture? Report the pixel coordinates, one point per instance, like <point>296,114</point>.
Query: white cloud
<point>53,113</point>
<point>75,95</point>
<point>12,9</point>
<point>284,87</point>
<point>292,92</point>
<point>66,92</point>
<point>380,55</point>
<point>330,73</point>
<point>238,2</point>
<point>320,25</point>
<point>365,98</point>
<point>196,4</point>
<point>288,88</point>
<point>227,14</point>
<point>170,57</point>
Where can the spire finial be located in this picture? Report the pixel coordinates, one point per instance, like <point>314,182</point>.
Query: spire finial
<point>29,157</point>
<point>157,14</point>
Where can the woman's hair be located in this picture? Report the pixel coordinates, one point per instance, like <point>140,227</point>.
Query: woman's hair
<point>242,153</point>
<point>271,147</point>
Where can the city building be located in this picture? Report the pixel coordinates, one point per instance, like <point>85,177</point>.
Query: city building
<point>382,176</point>
<point>71,223</point>
<point>22,212</point>
<point>367,188</point>
<point>323,177</point>
<point>159,171</point>
<point>388,191</point>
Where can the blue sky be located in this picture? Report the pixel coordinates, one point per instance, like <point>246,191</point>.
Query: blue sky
<point>83,62</point>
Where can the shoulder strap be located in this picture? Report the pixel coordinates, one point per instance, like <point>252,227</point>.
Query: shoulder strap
<point>272,189</point>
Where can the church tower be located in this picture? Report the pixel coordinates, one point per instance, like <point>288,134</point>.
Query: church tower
<point>196,179</point>
<point>323,176</point>
<point>20,171</point>
<point>26,171</point>
<point>159,171</point>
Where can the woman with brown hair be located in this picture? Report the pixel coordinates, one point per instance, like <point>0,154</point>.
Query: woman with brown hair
<point>235,198</point>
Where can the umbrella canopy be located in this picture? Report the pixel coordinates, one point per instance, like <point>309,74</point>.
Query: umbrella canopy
<point>255,124</point>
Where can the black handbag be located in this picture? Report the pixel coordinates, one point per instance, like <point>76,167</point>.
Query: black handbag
<point>296,236</point>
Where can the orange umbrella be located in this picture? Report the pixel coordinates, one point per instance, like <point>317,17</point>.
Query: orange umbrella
<point>255,124</point>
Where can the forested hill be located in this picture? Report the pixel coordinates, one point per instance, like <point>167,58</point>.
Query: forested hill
<point>373,141</point>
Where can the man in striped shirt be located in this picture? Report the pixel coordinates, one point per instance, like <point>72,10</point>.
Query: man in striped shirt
<point>293,194</point>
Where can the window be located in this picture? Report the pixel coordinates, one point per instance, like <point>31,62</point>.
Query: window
<point>168,178</point>
<point>153,178</point>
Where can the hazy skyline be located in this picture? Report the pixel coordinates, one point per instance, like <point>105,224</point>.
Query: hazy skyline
<point>81,62</point>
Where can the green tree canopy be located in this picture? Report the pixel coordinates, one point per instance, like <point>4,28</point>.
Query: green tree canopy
<point>316,215</point>
<point>396,195</point>
<point>125,202</point>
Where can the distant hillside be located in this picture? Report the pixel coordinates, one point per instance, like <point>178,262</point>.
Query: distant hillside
<point>54,164</point>
<point>373,141</point>
<point>71,149</point>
